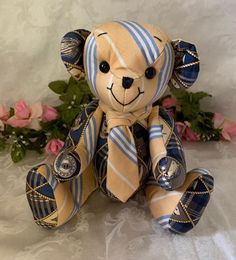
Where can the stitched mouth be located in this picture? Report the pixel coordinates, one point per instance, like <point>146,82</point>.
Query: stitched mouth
<point>125,104</point>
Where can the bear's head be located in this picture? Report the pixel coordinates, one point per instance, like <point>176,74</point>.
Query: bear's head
<point>129,65</point>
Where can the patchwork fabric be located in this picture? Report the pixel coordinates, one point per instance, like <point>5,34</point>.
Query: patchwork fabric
<point>41,199</point>
<point>186,64</point>
<point>181,209</point>
<point>123,142</point>
<point>54,203</point>
<point>170,172</point>
<point>193,202</point>
<point>80,145</point>
<point>71,51</point>
<point>141,142</point>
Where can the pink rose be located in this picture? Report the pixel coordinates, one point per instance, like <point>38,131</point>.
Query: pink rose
<point>26,116</point>
<point>169,102</point>
<point>228,127</point>
<point>185,132</point>
<point>3,113</point>
<point>16,122</point>
<point>54,146</point>
<point>189,135</point>
<point>49,113</point>
<point>180,128</point>
<point>22,110</point>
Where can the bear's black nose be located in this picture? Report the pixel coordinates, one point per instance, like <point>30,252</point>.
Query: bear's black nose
<point>127,82</point>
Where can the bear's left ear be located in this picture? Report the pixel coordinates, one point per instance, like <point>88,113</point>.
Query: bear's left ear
<point>186,67</point>
<point>72,49</point>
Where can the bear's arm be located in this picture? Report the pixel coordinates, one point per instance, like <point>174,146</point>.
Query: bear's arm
<point>80,144</point>
<point>170,172</point>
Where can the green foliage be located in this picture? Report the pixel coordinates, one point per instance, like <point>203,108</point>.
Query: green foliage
<point>17,151</point>
<point>58,86</point>
<point>201,122</point>
<point>74,95</point>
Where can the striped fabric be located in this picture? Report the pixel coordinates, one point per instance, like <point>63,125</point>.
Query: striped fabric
<point>144,40</point>
<point>73,161</point>
<point>91,63</point>
<point>156,141</point>
<point>122,163</point>
<point>123,177</point>
<point>165,72</point>
<point>123,142</point>
<point>54,203</point>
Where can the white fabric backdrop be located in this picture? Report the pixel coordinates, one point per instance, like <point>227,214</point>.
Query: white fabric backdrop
<point>30,33</point>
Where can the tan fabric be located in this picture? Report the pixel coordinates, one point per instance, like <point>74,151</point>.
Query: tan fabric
<point>122,163</point>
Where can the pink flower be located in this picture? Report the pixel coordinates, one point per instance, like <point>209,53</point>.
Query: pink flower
<point>3,113</point>
<point>54,146</point>
<point>189,135</point>
<point>185,132</point>
<point>228,127</point>
<point>169,102</point>
<point>26,116</point>
<point>22,110</point>
<point>16,122</point>
<point>49,113</point>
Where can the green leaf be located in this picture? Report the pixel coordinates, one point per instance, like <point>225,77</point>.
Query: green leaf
<point>69,115</point>
<point>58,86</point>
<point>61,107</point>
<point>11,112</point>
<point>73,95</point>
<point>199,95</point>
<point>17,152</point>
<point>57,134</point>
<point>72,81</point>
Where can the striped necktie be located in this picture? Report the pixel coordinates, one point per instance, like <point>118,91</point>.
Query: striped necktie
<point>122,163</point>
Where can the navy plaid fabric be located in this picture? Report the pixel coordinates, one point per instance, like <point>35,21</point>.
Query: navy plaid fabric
<point>186,64</point>
<point>40,197</point>
<point>192,204</point>
<point>175,157</point>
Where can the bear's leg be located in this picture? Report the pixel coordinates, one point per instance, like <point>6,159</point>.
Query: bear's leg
<point>54,203</point>
<point>180,210</point>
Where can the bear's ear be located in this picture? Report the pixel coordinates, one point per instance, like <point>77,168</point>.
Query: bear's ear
<point>186,67</point>
<point>72,49</point>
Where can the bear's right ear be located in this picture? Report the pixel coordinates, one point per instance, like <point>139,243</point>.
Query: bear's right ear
<point>187,64</point>
<point>72,49</point>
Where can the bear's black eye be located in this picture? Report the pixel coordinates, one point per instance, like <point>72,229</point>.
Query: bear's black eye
<point>104,67</point>
<point>150,72</point>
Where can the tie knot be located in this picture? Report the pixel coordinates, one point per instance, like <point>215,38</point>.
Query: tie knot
<point>115,118</point>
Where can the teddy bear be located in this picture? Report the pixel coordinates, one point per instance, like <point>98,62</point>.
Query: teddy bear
<point>123,142</point>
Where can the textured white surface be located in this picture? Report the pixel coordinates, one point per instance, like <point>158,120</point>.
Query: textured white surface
<point>29,54</point>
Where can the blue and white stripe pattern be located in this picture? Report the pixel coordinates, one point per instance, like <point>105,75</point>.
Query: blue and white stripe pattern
<point>76,187</point>
<point>91,64</point>
<point>164,221</point>
<point>165,72</point>
<point>119,138</point>
<point>90,139</point>
<point>155,131</point>
<point>144,40</point>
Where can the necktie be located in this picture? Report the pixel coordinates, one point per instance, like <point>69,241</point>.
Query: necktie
<point>122,163</point>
